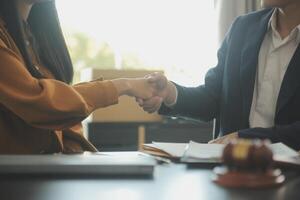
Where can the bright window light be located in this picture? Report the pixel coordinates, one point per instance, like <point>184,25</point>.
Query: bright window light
<point>177,36</point>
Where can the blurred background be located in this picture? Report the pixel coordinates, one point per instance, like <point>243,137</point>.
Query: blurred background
<point>168,35</point>
<point>131,38</point>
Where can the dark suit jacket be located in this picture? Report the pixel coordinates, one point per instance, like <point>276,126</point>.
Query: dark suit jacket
<point>228,89</point>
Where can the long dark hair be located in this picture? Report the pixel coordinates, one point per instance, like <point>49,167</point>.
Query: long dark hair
<point>50,45</point>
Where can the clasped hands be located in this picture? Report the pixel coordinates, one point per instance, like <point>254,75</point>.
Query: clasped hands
<point>153,90</point>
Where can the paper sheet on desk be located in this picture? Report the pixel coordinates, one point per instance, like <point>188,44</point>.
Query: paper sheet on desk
<point>280,149</point>
<point>202,152</point>
<point>212,153</point>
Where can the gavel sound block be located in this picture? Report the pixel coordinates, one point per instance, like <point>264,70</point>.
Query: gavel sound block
<point>248,164</point>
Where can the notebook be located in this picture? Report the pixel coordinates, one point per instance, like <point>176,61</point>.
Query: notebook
<point>87,164</point>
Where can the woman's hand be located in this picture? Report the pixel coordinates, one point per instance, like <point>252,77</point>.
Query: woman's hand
<point>141,88</point>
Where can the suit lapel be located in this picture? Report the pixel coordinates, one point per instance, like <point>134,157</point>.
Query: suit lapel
<point>290,81</point>
<point>249,62</point>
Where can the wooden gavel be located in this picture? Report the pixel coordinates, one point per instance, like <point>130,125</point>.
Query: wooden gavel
<point>248,155</point>
<point>248,164</point>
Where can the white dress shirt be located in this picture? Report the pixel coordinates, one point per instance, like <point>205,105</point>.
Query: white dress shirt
<point>274,57</point>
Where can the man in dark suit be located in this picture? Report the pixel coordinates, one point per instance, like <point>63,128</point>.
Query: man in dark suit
<point>254,91</point>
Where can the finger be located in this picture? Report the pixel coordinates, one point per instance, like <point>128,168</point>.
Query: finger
<point>152,105</point>
<point>154,77</point>
<point>151,102</point>
<point>216,141</point>
<point>224,140</point>
<point>155,107</point>
<point>152,110</point>
<point>139,101</point>
<point>149,75</point>
<point>211,141</point>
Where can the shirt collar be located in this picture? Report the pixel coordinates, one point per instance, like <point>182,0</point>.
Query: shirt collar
<point>273,20</point>
<point>272,26</point>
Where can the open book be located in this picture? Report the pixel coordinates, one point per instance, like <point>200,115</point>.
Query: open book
<point>202,152</point>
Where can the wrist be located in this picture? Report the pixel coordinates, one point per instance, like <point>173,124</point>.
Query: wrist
<point>122,85</point>
<point>171,95</point>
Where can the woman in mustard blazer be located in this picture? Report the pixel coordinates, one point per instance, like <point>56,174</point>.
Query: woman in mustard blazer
<point>40,111</point>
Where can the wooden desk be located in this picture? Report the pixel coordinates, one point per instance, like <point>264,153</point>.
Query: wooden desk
<point>170,182</point>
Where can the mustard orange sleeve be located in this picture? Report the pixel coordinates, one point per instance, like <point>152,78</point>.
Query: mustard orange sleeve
<point>49,103</point>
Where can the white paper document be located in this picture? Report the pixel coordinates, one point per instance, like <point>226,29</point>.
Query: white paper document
<point>203,152</point>
<point>210,153</point>
<point>280,149</point>
<point>198,152</point>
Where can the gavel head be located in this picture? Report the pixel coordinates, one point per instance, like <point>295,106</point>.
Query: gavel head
<point>248,155</point>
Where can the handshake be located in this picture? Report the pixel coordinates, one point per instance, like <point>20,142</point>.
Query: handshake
<point>150,92</point>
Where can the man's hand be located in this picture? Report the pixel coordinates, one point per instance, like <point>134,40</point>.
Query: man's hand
<point>225,139</point>
<point>150,105</point>
<point>164,91</point>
